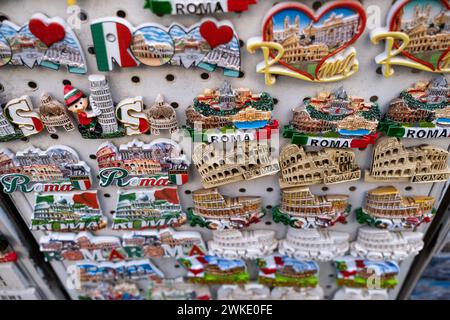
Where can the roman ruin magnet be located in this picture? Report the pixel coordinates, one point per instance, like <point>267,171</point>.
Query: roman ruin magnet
<point>161,116</point>
<point>54,115</point>
<point>197,7</point>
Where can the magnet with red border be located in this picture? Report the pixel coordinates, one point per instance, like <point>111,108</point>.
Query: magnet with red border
<point>197,7</point>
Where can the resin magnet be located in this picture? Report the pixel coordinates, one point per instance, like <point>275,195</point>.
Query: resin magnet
<point>197,7</point>
<point>361,294</point>
<point>416,35</point>
<point>178,289</point>
<point>7,254</point>
<point>296,293</point>
<point>54,115</point>
<point>246,292</point>
<point>110,290</point>
<point>161,116</point>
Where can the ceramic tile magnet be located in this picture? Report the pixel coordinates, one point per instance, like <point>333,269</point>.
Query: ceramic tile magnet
<point>177,289</point>
<point>251,291</point>
<point>18,120</point>
<point>57,169</point>
<point>67,212</point>
<point>307,45</point>
<point>392,161</point>
<point>54,114</point>
<point>216,212</point>
<point>416,35</point>
<point>282,271</point>
<point>328,166</point>
<point>386,208</point>
<point>334,120</point>
<point>184,7</point>
<point>7,253</point>
<point>420,112</point>
<point>161,116</point>
<point>301,209</point>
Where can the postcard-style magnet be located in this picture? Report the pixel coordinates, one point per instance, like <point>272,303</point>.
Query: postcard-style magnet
<point>161,116</point>
<point>110,290</point>
<point>214,270</point>
<point>244,161</point>
<point>328,166</point>
<point>282,271</point>
<point>57,169</point>
<point>385,208</point>
<point>177,289</point>
<point>375,244</point>
<point>318,245</point>
<point>416,35</point>
<point>216,212</point>
<point>362,273</point>
<point>393,162</point>
<point>43,41</point>
<point>207,45</point>
<point>227,114</point>
<point>421,112</point>
<point>155,208</point>
<point>138,164</point>
<point>307,45</point>
<point>7,254</point>
<point>296,293</point>
<point>247,244</point>
<point>18,120</point>
<point>334,120</point>
<point>184,7</point>
<point>54,114</point>
<point>67,212</point>
<point>250,291</point>
<point>301,209</point>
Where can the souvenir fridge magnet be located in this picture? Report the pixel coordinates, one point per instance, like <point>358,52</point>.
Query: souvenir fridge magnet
<point>7,254</point>
<point>301,209</point>
<point>361,294</point>
<point>421,112</point>
<point>57,169</point>
<point>18,120</point>
<point>154,208</point>
<point>296,293</point>
<point>67,212</point>
<point>227,115</point>
<point>318,245</point>
<point>161,116</point>
<point>205,45</point>
<point>334,120</point>
<point>137,164</point>
<point>307,45</point>
<point>392,162</point>
<point>282,271</point>
<point>43,41</point>
<point>375,244</point>
<point>327,166</point>
<point>214,270</point>
<point>184,7</point>
<point>417,36</point>
<point>250,291</point>
<point>216,212</point>
<point>177,289</point>
<point>385,208</point>
<point>54,114</point>
<point>110,290</point>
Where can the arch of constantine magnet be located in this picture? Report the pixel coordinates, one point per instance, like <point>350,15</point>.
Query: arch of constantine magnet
<point>375,244</point>
<point>420,112</point>
<point>392,162</point>
<point>385,208</point>
<point>244,161</point>
<point>57,169</point>
<point>216,212</point>
<point>67,212</point>
<point>297,293</point>
<point>318,245</point>
<point>155,208</point>
<point>177,289</point>
<point>250,291</point>
<point>227,114</point>
<point>303,210</point>
<point>328,166</point>
<point>214,270</point>
<point>184,7</point>
<point>283,271</point>
<point>334,120</point>
<point>307,45</point>
<point>7,254</point>
<point>416,35</point>
<point>138,164</point>
<point>247,244</point>
<point>362,273</point>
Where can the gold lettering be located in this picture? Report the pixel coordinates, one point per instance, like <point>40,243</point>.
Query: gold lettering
<point>338,67</point>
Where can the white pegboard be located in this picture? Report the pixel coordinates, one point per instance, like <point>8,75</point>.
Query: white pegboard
<point>188,84</point>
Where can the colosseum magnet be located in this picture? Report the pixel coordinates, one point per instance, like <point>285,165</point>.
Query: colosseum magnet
<point>197,7</point>
<point>334,120</point>
<point>420,112</point>
<point>307,45</point>
<point>416,35</point>
<point>205,45</point>
<point>43,41</point>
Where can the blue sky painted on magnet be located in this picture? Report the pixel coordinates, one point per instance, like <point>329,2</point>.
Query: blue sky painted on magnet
<point>178,32</point>
<point>278,19</point>
<point>409,8</point>
<point>300,266</point>
<point>154,34</point>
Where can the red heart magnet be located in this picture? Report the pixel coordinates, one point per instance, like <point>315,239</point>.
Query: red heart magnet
<point>47,33</point>
<point>215,36</point>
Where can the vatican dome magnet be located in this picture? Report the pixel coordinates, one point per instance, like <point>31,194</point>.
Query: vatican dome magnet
<point>307,45</point>
<point>416,35</point>
<point>57,169</point>
<point>386,208</point>
<point>334,120</point>
<point>217,212</point>
<point>178,289</point>
<point>420,112</point>
<point>197,7</point>
<point>7,254</point>
<point>161,116</point>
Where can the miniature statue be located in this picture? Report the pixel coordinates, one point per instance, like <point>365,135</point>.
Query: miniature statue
<point>53,114</point>
<point>161,116</point>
